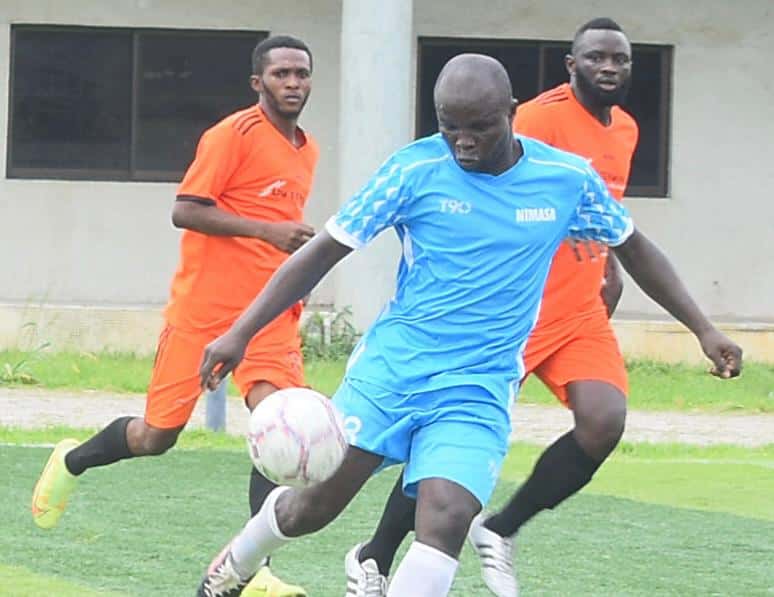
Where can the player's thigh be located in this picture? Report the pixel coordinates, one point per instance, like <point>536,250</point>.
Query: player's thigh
<point>464,442</point>
<point>375,420</point>
<point>322,502</point>
<point>174,386</point>
<point>591,354</point>
<point>273,356</point>
<point>544,341</point>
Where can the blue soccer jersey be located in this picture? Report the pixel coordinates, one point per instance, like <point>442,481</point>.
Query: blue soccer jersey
<point>476,253</point>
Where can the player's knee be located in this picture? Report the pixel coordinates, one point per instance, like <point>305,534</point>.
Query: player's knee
<point>309,513</point>
<point>612,420</point>
<point>605,425</point>
<point>446,521</point>
<point>155,442</point>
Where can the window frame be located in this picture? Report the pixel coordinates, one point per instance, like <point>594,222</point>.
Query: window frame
<point>662,188</point>
<point>131,173</point>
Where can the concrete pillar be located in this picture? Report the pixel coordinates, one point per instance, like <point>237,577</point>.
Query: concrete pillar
<point>377,58</point>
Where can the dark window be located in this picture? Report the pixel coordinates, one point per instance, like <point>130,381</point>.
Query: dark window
<point>536,66</point>
<point>120,104</point>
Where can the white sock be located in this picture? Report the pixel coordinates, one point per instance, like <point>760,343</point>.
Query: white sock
<point>423,572</point>
<point>259,537</point>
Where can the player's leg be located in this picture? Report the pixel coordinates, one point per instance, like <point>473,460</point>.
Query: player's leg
<point>444,512</point>
<point>588,375</point>
<point>454,464</point>
<point>396,522</point>
<point>372,430</point>
<point>171,397</point>
<point>286,514</point>
<point>586,370</point>
<point>260,486</point>
<point>272,361</point>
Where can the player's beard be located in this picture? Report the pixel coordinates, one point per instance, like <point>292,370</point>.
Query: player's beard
<point>272,100</point>
<point>603,98</point>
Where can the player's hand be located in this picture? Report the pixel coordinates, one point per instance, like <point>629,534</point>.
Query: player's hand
<point>725,355</point>
<point>221,356</point>
<point>591,250</point>
<point>287,236</point>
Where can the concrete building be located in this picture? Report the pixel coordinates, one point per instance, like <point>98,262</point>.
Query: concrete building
<point>89,252</point>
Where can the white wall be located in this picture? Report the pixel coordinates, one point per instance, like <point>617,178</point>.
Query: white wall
<point>112,243</point>
<point>718,225</point>
<point>108,244</point>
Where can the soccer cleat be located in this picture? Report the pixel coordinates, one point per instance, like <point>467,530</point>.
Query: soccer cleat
<point>53,489</point>
<point>496,555</point>
<point>221,580</point>
<point>265,584</point>
<point>363,578</point>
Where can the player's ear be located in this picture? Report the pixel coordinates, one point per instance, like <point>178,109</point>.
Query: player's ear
<point>569,64</point>
<point>514,105</point>
<point>256,83</point>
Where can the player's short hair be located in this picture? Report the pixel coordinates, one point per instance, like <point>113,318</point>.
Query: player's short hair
<point>276,41</point>
<point>597,23</point>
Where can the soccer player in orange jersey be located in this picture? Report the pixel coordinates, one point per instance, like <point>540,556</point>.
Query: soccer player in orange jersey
<point>241,207</point>
<point>573,349</point>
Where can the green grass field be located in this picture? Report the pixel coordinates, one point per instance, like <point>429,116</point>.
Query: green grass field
<point>657,520</point>
<point>654,386</point>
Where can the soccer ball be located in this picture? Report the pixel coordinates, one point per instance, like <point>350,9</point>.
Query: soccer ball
<point>296,437</point>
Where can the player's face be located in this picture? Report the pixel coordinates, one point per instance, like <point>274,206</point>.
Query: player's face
<point>602,66</point>
<point>479,136</point>
<point>286,81</point>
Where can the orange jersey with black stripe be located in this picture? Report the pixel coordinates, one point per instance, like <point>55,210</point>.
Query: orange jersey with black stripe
<point>556,117</point>
<point>248,168</point>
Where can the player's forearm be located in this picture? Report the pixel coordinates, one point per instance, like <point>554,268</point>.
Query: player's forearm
<point>295,279</point>
<point>612,287</point>
<point>653,272</point>
<point>197,215</point>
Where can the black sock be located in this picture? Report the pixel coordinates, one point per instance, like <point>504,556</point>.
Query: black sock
<point>107,447</point>
<point>397,521</point>
<point>562,470</point>
<point>260,487</point>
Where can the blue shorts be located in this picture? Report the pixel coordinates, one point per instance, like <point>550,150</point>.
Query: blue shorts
<point>459,433</point>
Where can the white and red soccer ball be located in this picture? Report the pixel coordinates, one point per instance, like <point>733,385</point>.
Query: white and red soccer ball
<point>296,437</point>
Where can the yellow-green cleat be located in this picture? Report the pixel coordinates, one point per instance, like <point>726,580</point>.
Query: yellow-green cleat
<point>265,584</point>
<point>54,487</point>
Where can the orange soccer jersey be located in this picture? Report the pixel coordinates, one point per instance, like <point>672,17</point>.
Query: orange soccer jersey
<point>248,168</point>
<point>573,339</point>
<point>556,117</point>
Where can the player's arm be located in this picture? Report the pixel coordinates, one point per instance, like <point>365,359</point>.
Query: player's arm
<point>219,155</point>
<point>602,219</point>
<point>653,272</point>
<point>295,278</point>
<point>612,284</point>
<point>202,214</point>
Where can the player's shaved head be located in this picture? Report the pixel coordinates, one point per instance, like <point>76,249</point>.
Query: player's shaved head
<point>473,79</point>
<point>475,108</point>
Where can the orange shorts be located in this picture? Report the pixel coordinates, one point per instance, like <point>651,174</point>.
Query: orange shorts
<point>580,349</point>
<point>274,355</point>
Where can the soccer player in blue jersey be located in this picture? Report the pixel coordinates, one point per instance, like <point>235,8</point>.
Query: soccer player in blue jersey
<point>479,213</point>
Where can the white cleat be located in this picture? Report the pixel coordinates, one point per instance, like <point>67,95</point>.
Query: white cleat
<point>363,578</point>
<point>221,579</point>
<point>496,555</point>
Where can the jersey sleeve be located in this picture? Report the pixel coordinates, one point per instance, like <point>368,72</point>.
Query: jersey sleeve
<point>380,204</point>
<point>217,157</point>
<point>531,121</point>
<point>598,216</point>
